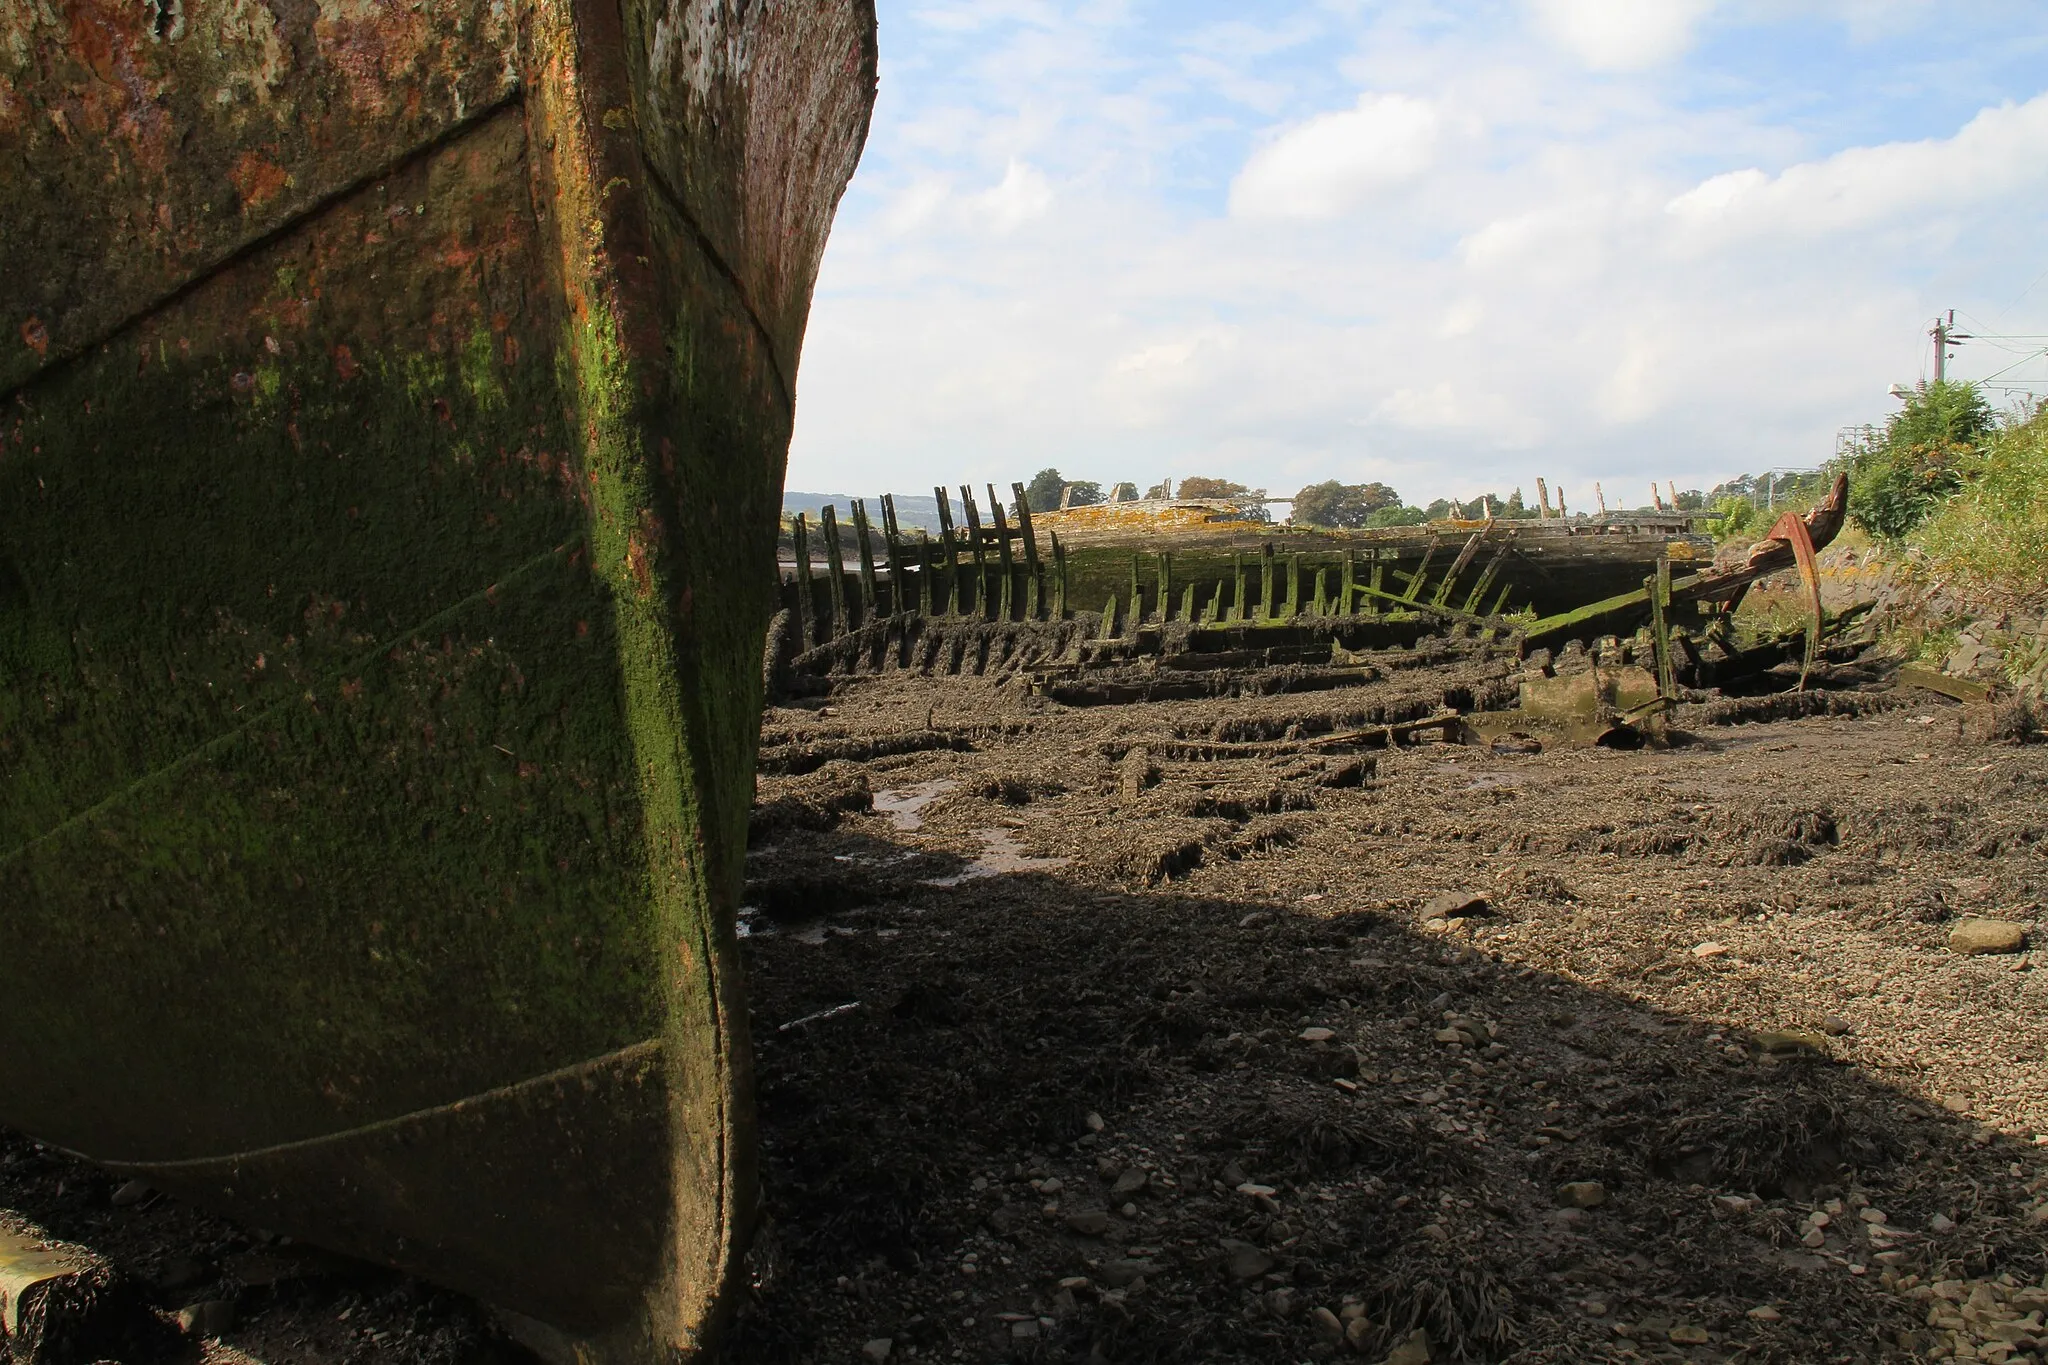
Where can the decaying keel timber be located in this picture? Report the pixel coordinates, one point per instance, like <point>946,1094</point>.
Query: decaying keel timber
<point>395,397</point>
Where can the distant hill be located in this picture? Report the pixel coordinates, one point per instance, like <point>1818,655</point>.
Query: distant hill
<point>912,511</point>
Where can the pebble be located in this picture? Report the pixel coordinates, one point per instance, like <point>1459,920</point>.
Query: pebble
<point>1763,1312</point>
<point>1089,1222</point>
<point>1246,1262</point>
<point>1977,936</point>
<point>1130,1182</point>
<point>1454,903</point>
<point>878,1349</point>
<point>1581,1194</point>
<point>1327,1328</point>
<point>1413,1351</point>
<point>207,1319</point>
<point>1706,950</point>
<point>1094,1122</point>
<point>1119,1273</point>
<point>1834,1026</point>
<point>1688,1335</point>
<point>1316,1035</point>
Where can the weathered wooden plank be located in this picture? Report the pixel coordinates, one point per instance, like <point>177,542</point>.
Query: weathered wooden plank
<point>806,596</point>
<point>1059,579</point>
<point>976,543</point>
<point>864,545</point>
<point>951,549</point>
<point>1458,566</point>
<point>828,526</point>
<point>1034,570</point>
<point>1269,583</point>
<point>1006,563</point>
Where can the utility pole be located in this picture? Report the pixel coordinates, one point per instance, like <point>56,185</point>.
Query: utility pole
<point>1945,335</point>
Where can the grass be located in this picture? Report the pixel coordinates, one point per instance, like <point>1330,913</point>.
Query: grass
<point>1993,532</point>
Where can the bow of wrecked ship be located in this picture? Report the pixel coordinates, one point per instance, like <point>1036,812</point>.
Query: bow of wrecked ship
<point>390,392</point>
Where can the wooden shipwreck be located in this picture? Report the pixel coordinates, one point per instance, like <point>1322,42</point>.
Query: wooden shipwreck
<point>391,393</point>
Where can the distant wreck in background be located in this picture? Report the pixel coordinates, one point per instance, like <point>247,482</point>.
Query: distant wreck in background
<point>396,396</point>
<point>1200,599</point>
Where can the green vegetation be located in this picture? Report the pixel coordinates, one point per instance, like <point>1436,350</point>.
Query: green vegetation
<point>1992,530</point>
<point>1048,488</point>
<point>1341,504</point>
<point>1899,476</point>
<point>1199,487</point>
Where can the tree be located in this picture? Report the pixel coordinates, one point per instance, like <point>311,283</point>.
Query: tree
<point>1438,510</point>
<point>1043,491</point>
<point>1341,504</point>
<point>1397,516</point>
<point>1082,493</point>
<point>1898,478</point>
<point>1199,487</point>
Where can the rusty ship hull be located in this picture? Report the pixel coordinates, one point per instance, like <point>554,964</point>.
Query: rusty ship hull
<point>396,397</point>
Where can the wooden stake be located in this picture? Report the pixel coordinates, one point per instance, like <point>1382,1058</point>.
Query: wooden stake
<point>980,549</point>
<point>1237,602</point>
<point>828,527</point>
<point>1002,535</point>
<point>952,551</point>
<point>865,545</point>
<point>806,599</point>
<point>1034,582</point>
<point>1059,578</point>
<point>1269,583</point>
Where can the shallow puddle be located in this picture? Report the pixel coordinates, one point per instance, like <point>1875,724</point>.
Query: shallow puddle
<point>903,804</point>
<point>1000,853</point>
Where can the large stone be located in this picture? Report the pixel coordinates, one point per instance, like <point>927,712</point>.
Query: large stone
<point>1581,1194</point>
<point>1243,1260</point>
<point>1455,904</point>
<point>1977,936</point>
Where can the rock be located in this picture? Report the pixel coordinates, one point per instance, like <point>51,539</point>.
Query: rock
<point>1010,1219</point>
<point>1316,1035</point>
<point>878,1349</point>
<point>1763,1312</point>
<point>133,1192</point>
<point>1025,1330</point>
<point>1450,904</point>
<point>1255,1191</point>
<point>1119,1273</point>
<point>208,1318</point>
<point>1686,1334</point>
<point>1978,936</point>
<point>1356,1330</point>
<point>1941,1222</point>
<point>1130,1182</point>
<point>1243,1260</point>
<point>1280,1302</point>
<point>1089,1222</point>
<point>1094,1122</point>
<point>1327,1328</point>
<point>1706,950</point>
<point>1233,1174</point>
<point>1050,1185</point>
<point>1834,1026</point>
<point>1129,1210</point>
<point>1414,1351</point>
<point>1581,1194</point>
<point>1789,1041</point>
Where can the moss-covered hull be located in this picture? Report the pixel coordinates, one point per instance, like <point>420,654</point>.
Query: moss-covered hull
<point>397,401</point>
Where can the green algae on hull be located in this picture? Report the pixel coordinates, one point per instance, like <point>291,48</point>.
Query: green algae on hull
<point>380,623</point>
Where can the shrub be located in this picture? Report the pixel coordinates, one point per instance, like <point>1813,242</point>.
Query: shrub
<point>1899,477</point>
<point>1994,530</point>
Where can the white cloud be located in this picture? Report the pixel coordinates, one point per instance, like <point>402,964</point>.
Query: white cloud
<point>1998,151</point>
<point>1331,163</point>
<point>1621,35</point>
<point>1023,194</point>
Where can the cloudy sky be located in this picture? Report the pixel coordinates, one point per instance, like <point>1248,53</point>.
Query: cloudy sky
<point>1451,245</point>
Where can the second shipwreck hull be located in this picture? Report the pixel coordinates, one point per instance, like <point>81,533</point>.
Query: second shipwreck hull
<point>1199,562</point>
<point>392,395</point>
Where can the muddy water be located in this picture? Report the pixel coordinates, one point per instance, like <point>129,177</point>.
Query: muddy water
<point>904,805</point>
